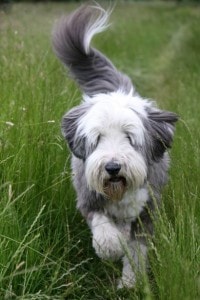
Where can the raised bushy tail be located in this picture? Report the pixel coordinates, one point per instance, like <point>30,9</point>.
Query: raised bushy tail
<point>90,68</point>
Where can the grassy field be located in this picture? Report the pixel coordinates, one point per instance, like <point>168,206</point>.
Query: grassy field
<point>45,245</point>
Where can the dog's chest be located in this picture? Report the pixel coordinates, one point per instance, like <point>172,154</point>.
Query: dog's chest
<point>129,208</point>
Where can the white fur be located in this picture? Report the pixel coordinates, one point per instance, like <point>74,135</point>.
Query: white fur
<point>113,110</point>
<point>135,260</point>
<point>109,125</point>
<point>114,137</point>
<point>96,26</point>
<point>129,208</point>
<point>107,239</point>
<point>122,99</point>
<point>115,147</point>
<point>110,242</point>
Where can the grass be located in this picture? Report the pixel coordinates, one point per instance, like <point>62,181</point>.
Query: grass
<point>45,245</point>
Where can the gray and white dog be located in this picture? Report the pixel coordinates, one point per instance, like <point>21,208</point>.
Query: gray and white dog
<point>118,141</point>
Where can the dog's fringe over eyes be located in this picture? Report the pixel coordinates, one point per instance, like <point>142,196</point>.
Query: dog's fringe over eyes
<point>119,143</point>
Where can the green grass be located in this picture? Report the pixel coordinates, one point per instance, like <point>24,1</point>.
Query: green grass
<point>45,245</point>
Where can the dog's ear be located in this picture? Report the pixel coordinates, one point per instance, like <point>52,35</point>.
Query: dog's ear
<point>70,123</point>
<point>160,126</point>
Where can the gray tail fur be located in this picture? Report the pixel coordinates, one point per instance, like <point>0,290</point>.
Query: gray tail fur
<point>90,68</point>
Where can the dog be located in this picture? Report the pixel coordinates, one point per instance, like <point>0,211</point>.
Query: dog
<point>119,143</point>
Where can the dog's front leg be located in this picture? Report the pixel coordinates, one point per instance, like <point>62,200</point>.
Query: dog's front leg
<point>107,239</point>
<point>133,261</point>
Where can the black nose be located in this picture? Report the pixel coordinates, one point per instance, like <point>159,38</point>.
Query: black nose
<point>112,168</point>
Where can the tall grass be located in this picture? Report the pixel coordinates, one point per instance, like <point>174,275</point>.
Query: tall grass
<point>45,245</point>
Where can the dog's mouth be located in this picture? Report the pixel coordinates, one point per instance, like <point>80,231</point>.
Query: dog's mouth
<point>115,187</point>
<point>117,179</point>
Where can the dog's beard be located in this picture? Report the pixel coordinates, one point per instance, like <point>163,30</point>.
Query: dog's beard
<point>114,188</point>
<point>132,174</point>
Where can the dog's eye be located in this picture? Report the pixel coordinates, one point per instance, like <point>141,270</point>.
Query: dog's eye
<point>98,139</point>
<point>129,139</point>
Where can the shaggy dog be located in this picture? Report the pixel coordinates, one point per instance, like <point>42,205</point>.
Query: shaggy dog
<point>119,145</point>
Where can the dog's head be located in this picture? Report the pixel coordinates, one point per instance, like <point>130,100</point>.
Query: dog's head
<point>117,136</point>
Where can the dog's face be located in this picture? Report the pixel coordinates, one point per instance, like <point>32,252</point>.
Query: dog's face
<point>114,134</point>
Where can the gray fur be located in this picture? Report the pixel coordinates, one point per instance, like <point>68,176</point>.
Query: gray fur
<point>76,142</point>
<point>87,201</point>
<point>92,70</point>
<point>160,126</point>
<point>95,74</point>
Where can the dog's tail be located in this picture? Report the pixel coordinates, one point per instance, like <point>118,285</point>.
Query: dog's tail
<point>91,69</point>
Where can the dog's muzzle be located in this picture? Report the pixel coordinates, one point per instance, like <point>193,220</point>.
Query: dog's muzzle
<point>115,185</point>
<point>113,168</point>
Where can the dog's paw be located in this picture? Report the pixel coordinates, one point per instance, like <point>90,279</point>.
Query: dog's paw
<point>108,242</point>
<point>128,278</point>
<point>126,283</point>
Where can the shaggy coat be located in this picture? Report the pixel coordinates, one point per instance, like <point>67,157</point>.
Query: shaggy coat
<point>118,141</point>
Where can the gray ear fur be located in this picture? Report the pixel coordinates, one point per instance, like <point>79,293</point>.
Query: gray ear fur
<point>76,142</point>
<point>160,126</point>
